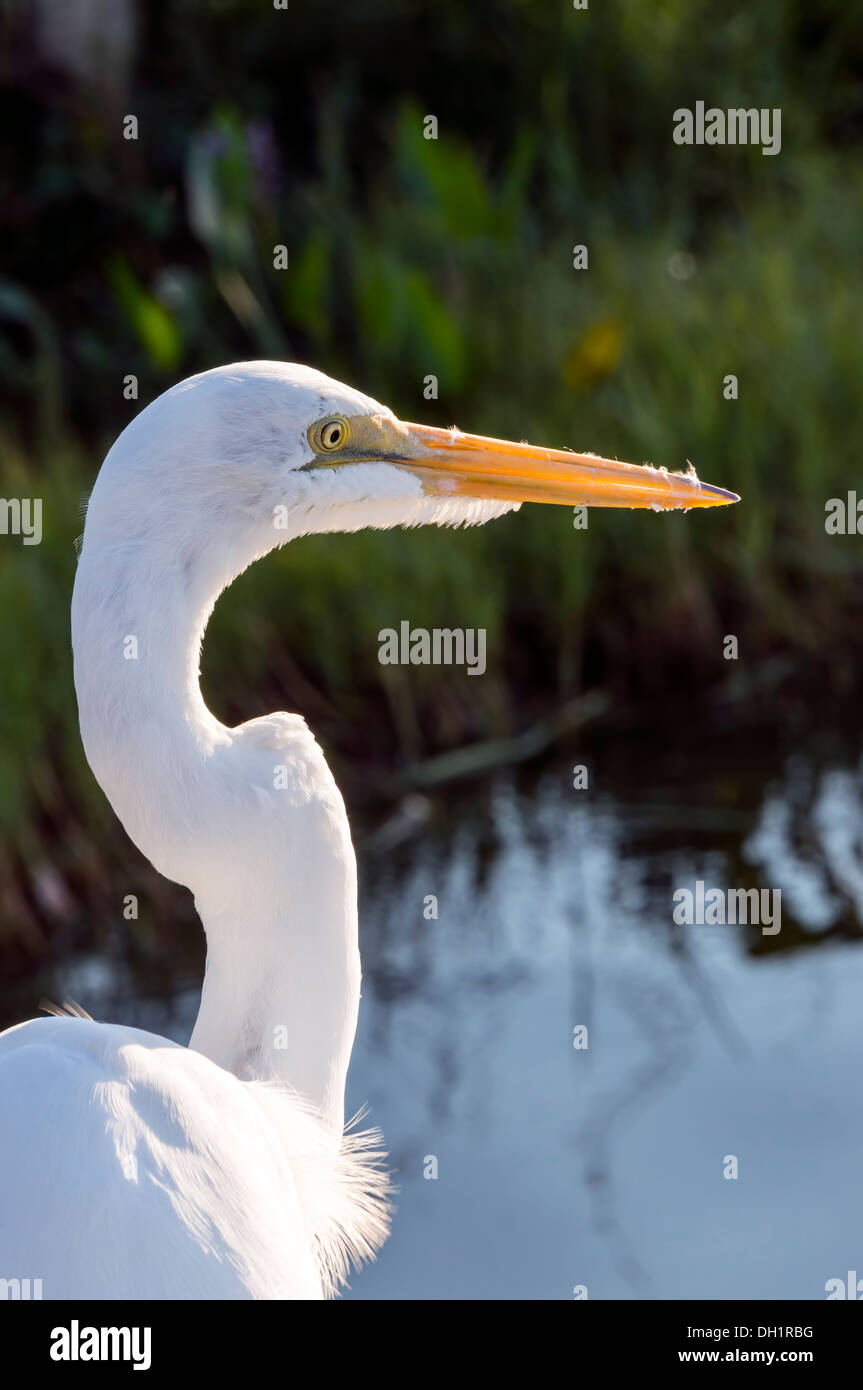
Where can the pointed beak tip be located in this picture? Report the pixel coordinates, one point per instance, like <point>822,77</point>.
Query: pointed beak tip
<point>720,496</point>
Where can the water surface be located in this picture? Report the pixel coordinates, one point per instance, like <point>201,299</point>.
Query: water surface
<point>603,1167</point>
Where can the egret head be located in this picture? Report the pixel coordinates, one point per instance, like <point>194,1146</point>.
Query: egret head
<point>247,456</point>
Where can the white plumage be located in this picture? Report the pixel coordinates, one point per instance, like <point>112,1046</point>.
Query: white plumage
<point>131,1167</point>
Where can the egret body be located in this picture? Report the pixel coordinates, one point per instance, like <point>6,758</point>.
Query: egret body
<point>131,1167</point>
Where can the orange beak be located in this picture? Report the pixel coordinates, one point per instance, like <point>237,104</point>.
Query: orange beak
<point>452,464</point>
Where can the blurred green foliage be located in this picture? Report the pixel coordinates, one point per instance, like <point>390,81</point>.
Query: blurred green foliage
<point>411,257</point>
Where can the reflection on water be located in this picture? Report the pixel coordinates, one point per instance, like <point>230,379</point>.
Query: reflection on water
<point>603,1167</point>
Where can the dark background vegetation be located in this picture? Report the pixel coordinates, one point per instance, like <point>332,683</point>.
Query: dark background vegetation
<point>453,257</point>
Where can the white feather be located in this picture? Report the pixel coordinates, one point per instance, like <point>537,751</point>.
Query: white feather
<point>131,1167</point>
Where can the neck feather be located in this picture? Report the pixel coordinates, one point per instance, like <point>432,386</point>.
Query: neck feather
<point>249,818</point>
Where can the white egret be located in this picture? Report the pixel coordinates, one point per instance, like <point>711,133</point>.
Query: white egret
<point>131,1167</point>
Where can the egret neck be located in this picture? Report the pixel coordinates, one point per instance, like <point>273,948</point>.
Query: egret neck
<point>249,819</point>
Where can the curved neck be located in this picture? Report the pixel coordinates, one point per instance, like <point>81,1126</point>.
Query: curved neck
<point>273,876</point>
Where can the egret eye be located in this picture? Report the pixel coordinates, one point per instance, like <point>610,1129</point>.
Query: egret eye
<point>331,435</point>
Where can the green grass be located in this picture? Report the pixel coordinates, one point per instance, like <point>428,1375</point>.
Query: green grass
<point>453,258</point>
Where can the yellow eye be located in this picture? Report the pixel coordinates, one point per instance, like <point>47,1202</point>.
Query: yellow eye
<point>331,434</point>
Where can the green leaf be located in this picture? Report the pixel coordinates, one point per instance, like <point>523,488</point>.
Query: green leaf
<point>154,325</point>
